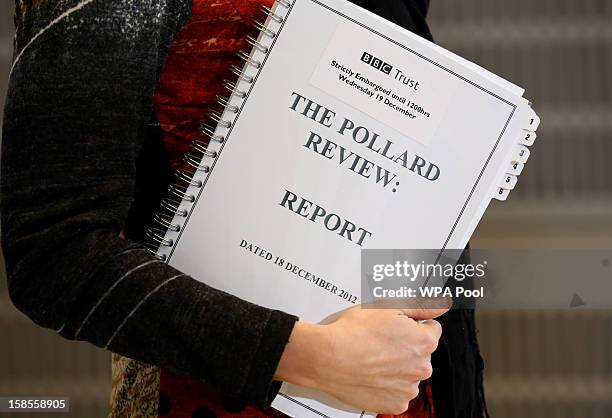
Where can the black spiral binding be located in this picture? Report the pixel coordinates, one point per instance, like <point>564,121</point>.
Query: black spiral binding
<point>178,203</point>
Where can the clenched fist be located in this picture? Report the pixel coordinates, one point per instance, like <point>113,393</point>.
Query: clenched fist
<point>370,359</point>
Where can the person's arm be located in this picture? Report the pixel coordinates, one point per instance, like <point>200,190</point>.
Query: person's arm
<point>79,100</point>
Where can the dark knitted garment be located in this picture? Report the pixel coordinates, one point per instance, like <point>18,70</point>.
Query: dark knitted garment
<point>76,120</point>
<point>82,157</point>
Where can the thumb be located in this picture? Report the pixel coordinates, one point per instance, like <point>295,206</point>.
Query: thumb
<point>424,313</point>
<point>431,310</point>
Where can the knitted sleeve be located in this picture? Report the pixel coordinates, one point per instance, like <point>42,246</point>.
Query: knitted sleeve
<point>79,102</point>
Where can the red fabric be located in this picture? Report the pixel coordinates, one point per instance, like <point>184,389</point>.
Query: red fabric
<point>197,63</point>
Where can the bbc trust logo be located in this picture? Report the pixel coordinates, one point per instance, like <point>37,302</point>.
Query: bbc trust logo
<point>376,63</point>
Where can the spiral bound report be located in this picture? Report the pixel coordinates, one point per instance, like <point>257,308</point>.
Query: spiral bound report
<point>181,196</point>
<point>341,132</point>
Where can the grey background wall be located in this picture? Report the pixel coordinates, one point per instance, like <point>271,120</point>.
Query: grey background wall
<point>547,363</point>
<point>539,363</point>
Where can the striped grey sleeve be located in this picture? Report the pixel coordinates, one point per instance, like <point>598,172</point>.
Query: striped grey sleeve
<point>78,104</point>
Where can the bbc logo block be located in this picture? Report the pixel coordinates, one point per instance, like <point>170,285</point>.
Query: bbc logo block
<point>376,63</point>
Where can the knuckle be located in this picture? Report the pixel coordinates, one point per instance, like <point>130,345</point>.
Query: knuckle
<point>398,407</point>
<point>426,371</point>
<point>419,370</point>
<point>438,327</point>
<point>412,392</point>
<point>398,403</point>
<point>431,343</point>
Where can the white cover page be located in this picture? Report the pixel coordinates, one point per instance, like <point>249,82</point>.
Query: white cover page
<point>333,151</point>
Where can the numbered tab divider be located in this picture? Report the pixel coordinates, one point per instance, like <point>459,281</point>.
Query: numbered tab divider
<point>509,182</point>
<point>516,168</point>
<point>521,155</point>
<point>533,120</point>
<point>501,194</point>
<point>528,138</point>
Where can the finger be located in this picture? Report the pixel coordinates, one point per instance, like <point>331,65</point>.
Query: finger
<point>432,328</point>
<point>425,313</point>
<point>414,390</point>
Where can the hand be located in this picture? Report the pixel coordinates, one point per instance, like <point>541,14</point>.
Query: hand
<point>369,359</point>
